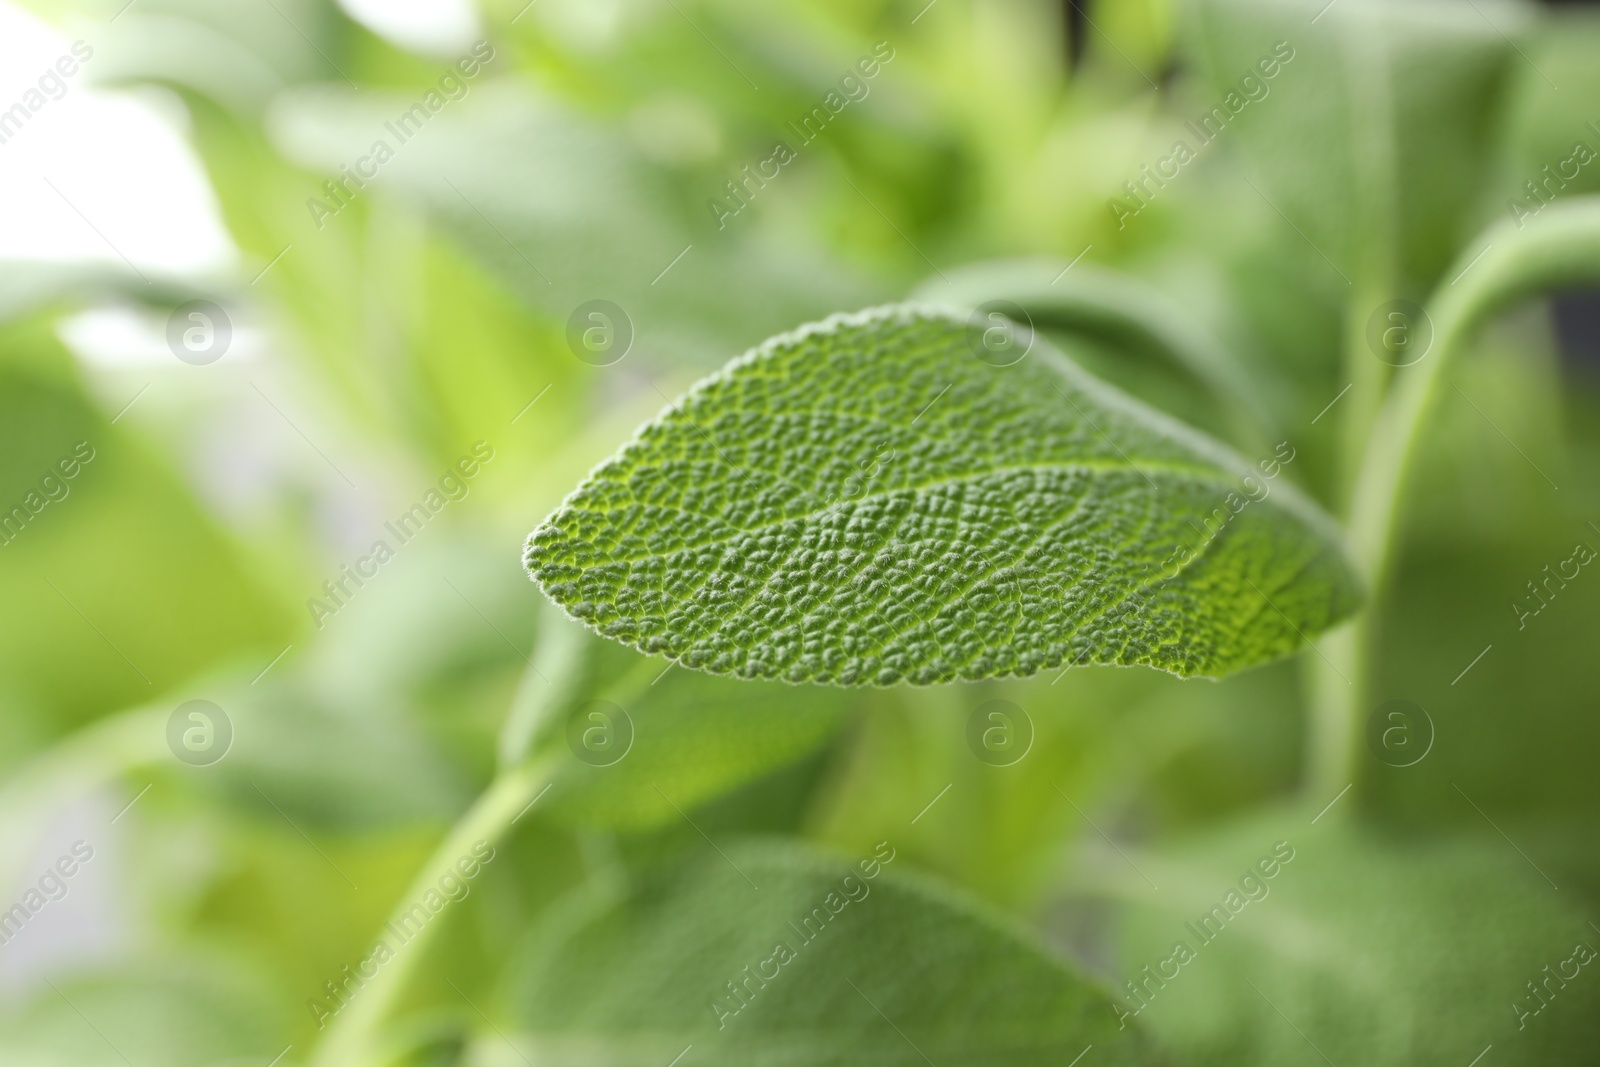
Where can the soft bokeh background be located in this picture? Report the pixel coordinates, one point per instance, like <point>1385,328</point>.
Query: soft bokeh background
<point>371,352</point>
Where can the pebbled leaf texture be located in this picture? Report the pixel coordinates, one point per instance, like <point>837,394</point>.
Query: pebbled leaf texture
<point>866,501</point>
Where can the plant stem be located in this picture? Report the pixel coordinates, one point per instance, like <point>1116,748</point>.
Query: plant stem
<point>1342,676</point>
<point>1339,673</point>
<point>1336,688</point>
<point>1561,247</point>
<point>351,1039</point>
<point>545,687</point>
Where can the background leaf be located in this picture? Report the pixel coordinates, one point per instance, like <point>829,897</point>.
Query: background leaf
<point>185,1013</point>
<point>633,980</point>
<point>1370,137</point>
<point>691,738</point>
<point>1135,317</point>
<point>1363,950</point>
<point>566,212</point>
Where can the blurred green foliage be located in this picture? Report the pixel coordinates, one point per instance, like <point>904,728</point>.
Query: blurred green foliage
<point>431,312</point>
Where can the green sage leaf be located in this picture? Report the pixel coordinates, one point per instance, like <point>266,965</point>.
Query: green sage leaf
<point>1358,949</point>
<point>648,742</point>
<point>829,962</point>
<point>870,499</point>
<point>1370,128</point>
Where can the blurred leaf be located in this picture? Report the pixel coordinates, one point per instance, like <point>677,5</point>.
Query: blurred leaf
<point>1558,249</point>
<point>434,309</point>
<point>1118,308</point>
<point>900,973</point>
<point>1516,731</point>
<point>1552,112</point>
<point>343,768</point>
<point>182,1015</point>
<point>683,738</point>
<point>1373,136</point>
<point>244,884</point>
<point>1361,950</point>
<point>748,553</point>
<point>90,758</point>
<point>566,213</point>
<point>28,287</point>
<point>117,585</point>
<point>238,53</point>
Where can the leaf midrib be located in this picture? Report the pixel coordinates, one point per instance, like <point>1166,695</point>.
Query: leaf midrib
<point>1201,474</point>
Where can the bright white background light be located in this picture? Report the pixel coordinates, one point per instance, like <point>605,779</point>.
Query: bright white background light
<point>434,27</point>
<point>127,186</point>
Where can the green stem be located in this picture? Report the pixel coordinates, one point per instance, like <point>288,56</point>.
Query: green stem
<point>1506,263</point>
<point>1340,670</point>
<point>351,1040</point>
<point>1560,248</point>
<point>1338,682</point>
<point>546,686</point>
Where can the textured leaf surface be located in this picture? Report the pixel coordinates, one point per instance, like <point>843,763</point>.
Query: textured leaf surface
<point>1363,951</point>
<point>1125,311</point>
<point>891,973</point>
<point>865,501</point>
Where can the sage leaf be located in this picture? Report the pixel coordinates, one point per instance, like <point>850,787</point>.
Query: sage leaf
<point>167,1011</point>
<point>562,210</point>
<point>1122,310</point>
<point>1558,249</point>
<point>1374,137</point>
<point>647,741</point>
<point>1431,946</point>
<point>866,501</point>
<point>822,965</point>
